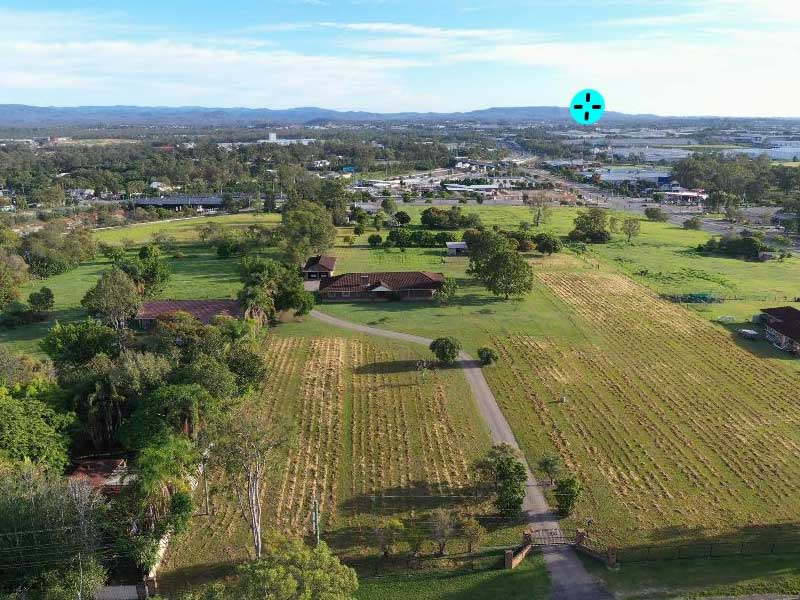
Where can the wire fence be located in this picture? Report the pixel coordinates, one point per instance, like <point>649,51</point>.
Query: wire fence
<point>701,550</point>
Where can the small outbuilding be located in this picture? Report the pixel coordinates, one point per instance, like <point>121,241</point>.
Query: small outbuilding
<point>108,476</point>
<point>456,248</point>
<point>319,267</point>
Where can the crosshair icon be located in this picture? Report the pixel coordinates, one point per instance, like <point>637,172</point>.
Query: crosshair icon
<point>587,107</point>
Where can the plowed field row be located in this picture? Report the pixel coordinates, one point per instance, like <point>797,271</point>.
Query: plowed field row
<point>675,427</point>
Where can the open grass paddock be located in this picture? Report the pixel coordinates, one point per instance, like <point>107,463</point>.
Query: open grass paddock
<point>679,429</point>
<point>372,436</point>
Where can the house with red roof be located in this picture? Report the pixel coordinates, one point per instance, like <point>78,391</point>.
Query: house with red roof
<point>404,285</point>
<point>319,267</point>
<point>204,311</point>
<point>108,476</point>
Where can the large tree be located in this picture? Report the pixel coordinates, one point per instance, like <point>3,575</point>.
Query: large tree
<point>52,523</point>
<point>74,344</point>
<point>290,570</point>
<point>13,273</point>
<point>505,476</point>
<point>114,299</point>
<point>508,274</point>
<point>591,226</point>
<point>306,228</point>
<point>247,449</point>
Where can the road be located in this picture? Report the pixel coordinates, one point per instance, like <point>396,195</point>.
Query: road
<point>677,214</point>
<point>570,579</point>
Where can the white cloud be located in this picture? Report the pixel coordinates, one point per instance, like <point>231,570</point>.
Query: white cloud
<point>166,72</point>
<point>418,31</point>
<point>719,68</point>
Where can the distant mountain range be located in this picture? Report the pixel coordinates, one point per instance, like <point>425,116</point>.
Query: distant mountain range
<point>20,115</point>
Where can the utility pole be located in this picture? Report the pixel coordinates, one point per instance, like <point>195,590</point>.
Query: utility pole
<point>204,464</point>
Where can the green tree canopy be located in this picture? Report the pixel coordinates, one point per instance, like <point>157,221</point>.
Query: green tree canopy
<point>504,474</point>
<point>290,570</point>
<point>30,429</point>
<point>591,226</point>
<point>446,349</point>
<point>114,299</point>
<point>76,343</point>
<point>306,228</point>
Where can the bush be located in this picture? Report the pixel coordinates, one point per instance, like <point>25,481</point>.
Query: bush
<point>656,213</point>
<point>487,356</point>
<point>547,243</point>
<point>446,349</point>
<point>358,229</point>
<point>738,246</point>
<point>374,240</point>
<point>568,491</point>
<point>693,223</point>
<point>42,301</point>
<point>524,245</point>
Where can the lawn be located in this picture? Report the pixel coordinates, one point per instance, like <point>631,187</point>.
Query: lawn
<point>528,581</point>
<point>199,273</point>
<point>678,428</point>
<point>717,577</point>
<point>649,415</point>
<point>373,436</point>
<point>183,229</point>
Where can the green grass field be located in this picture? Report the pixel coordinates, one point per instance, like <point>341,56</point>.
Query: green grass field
<point>199,274</point>
<point>528,581</point>
<point>374,438</point>
<point>716,577</point>
<point>182,230</point>
<point>678,428</point>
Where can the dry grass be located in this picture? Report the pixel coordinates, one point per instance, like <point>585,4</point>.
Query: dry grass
<point>675,429</point>
<point>372,433</point>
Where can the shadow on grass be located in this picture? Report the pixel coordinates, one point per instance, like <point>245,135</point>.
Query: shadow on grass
<point>176,582</point>
<point>759,346</point>
<point>681,542</point>
<point>417,496</point>
<point>408,366</point>
<point>36,331</point>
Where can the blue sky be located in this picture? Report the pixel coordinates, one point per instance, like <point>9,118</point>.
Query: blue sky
<point>679,57</point>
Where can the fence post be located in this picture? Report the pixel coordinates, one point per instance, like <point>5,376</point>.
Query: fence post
<point>611,557</point>
<point>509,559</point>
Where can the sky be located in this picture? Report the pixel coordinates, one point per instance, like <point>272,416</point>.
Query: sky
<point>668,57</point>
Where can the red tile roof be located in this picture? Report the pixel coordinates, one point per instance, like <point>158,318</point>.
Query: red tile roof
<point>396,281</point>
<point>202,310</point>
<point>106,473</point>
<point>320,263</point>
<point>783,313</point>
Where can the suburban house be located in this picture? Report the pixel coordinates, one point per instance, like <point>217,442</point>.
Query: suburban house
<point>783,327</point>
<point>456,248</point>
<point>108,476</point>
<point>203,310</point>
<point>319,267</point>
<point>413,285</point>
